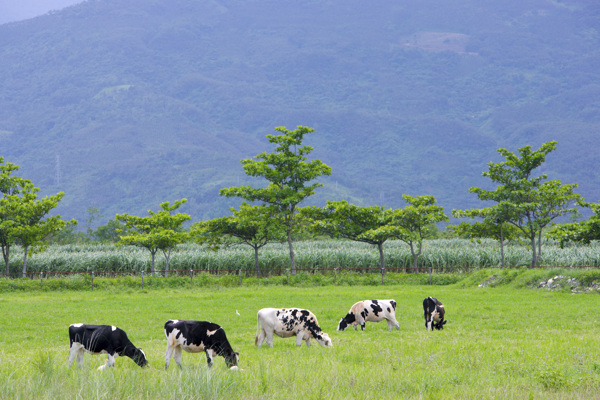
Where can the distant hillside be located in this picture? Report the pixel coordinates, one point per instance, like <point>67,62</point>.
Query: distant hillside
<point>17,10</point>
<point>124,105</point>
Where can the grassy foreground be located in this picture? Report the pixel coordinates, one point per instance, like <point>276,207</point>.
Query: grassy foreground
<point>500,342</point>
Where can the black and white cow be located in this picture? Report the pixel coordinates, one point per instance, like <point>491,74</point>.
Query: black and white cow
<point>98,339</point>
<point>372,311</point>
<point>433,309</point>
<point>197,336</point>
<point>287,322</point>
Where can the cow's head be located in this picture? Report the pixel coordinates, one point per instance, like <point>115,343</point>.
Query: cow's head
<point>139,357</point>
<point>344,322</point>
<point>324,340</point>
<point>232,359</point>
<point>439,325</point>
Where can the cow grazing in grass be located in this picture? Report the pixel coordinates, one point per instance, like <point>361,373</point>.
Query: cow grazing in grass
<point>433,309</point>
<point>286,322</point>
<point>98,339</point>
<point>372,311</point>
<point>197,336</point>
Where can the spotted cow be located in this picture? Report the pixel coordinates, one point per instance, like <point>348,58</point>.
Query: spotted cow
<point>434,312</point>
<point>287,322</point>
<point>372,311</point>
<point>197,336</point>
<point>97,339</point>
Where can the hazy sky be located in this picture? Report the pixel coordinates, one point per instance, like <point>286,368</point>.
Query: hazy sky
<point>16,10</point>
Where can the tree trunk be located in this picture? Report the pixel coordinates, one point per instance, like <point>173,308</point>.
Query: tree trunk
<point>381,255</point>
<point>167,258</point>
<point>533,251</point>
<point>256,262</point>
<point>293,262</point>
<point>502,244</point>
<point>539,254</point>
<point>412,251</point>
<point>25,262</point>
<point>6,256</point>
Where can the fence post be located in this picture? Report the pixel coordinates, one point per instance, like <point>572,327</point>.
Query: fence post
<point>41,280</point>
<point>287,275</point>
<point>382,273</point>
<point>92,279</point>
<point>430,275</point>
<point>142,280</point>
<point>240,277</point>
<point>335,276</point>
<point>191,276</point>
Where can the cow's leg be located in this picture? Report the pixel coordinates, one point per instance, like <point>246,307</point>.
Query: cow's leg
<point>299,338</point>
<point>80,354</point>
<point>177,355</point>
<point>110,362</point>
<point>73,352</point>
<point>355,326</point>
<point>390,325</point>
<point>210,354</point>
<point>269,335</point>
<point>428,322</point>
<point>168,355</point>
<point>308,342</point>
<point>261,337</point>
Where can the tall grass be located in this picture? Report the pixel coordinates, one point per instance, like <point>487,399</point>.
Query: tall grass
<point>439,254</point>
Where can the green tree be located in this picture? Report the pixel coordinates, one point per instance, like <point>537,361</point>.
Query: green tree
<point>583,231</point>
<point>493,224</point>
<point>10,187</point>
<point>159,231</point>
<point>530,202</point>
<point>250,225</point>
<point>288,174</point>
<point>340,219</point>
<point>420,213</point>
<point>109,233</point>
<point>93,215</point>
<point>33,225</point>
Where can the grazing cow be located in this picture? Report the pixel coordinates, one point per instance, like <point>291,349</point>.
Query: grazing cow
<point>98,339</point>
<point>286,322</point>
<point>433,309</point>
<point>197,336</point>
<point>372,311</point>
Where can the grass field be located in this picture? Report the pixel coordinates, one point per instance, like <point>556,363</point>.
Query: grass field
<point>500,342</point>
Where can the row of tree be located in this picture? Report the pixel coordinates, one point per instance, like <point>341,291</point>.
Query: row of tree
<point>523,206</point>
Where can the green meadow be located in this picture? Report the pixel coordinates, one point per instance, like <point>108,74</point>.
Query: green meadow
<point>500,342</point>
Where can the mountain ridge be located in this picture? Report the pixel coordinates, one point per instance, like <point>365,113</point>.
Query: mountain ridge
<point>126,105</point>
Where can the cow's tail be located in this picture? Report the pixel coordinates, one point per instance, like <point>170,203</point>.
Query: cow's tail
<point>393,304</point>
<point>257,330</point>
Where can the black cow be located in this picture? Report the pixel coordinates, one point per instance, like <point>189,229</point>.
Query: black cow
<point>433,309</point>
<point>98,339</point>
<point>197,336</point>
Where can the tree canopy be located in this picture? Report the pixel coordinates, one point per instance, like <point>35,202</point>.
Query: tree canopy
<point>250,225</point>
<point>582,232</point>
<point>340,219</point>
<point>288,174</point>
<point>159,230</point>
<point>528,202</point>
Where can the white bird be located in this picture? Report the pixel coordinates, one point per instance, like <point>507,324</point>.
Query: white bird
<point>236,312</point>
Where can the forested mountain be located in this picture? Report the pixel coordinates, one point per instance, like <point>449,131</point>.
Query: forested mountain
<point>125,104</point>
